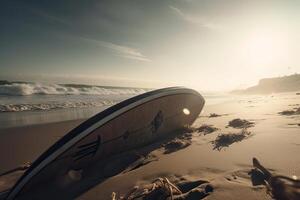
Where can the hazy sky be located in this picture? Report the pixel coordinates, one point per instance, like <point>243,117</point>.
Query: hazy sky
<point>205,44</point>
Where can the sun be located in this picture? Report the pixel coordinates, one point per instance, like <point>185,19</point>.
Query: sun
<point>264,47</point>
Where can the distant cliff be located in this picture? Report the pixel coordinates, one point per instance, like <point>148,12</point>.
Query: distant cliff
<point>274,85</point>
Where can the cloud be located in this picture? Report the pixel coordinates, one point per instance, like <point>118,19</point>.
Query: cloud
<point>123,51</point>
<point>194,20</point>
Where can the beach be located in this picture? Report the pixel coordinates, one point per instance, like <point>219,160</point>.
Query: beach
<point>150,100</point>
<point>271,136</point>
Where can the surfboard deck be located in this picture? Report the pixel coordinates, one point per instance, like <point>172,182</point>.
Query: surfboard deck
<point>132,123</point>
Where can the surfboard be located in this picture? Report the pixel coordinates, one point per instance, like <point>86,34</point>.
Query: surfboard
<point>129,124</point>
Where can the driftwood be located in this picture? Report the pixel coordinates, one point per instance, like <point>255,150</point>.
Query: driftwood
<point>164,189</point>
<point>161,188</point>
<point>279,187</point>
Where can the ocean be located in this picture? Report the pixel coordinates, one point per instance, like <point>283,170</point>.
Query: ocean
<point>27,103</point>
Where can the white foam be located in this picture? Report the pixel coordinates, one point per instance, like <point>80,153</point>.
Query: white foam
<point>54,89</point>
<point>53,106</point>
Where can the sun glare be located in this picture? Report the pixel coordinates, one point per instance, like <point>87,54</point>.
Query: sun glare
<point>264,47</point>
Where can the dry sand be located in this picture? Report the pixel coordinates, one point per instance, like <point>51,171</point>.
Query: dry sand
<point>273,138</point>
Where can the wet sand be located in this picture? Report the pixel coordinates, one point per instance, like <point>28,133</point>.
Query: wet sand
<point>272,138</point>
<point>24,144</point>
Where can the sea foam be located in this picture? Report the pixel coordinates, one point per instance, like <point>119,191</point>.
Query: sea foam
<point>53,106</point>
<point>22,89</point>
<point>25,96</point>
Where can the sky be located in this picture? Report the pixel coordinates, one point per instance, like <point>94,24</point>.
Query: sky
<point>203,44</point>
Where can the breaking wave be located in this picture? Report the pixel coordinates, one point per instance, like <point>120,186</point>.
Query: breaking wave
<point>22,89</point>
<point>53,106</point>
<point>30,96</point>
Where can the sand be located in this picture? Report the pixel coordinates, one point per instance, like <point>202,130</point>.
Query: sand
<point>186,158</point>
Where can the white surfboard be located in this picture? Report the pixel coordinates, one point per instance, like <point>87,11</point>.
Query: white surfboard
<point>130,124</point>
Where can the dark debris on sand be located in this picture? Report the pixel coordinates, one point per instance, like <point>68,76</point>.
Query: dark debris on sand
<point>296,111</point>
<point>294,104</point>
<point>240,123</point>
<point>211,115</point>
<point>214,115</point>
<point>206,129</point>
<point>225,140</point>
<point>176,145</point>
<point>295,124</point>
